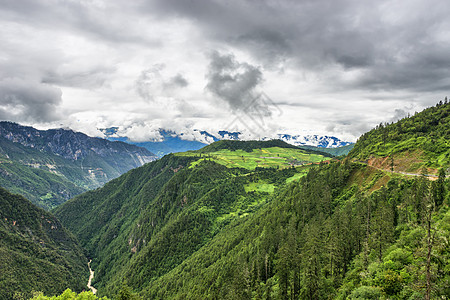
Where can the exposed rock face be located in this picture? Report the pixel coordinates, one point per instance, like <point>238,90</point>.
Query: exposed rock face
<point>72,145</point>
<point>51,166</point>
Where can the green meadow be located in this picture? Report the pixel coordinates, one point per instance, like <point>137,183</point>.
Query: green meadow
<point>274,157</point>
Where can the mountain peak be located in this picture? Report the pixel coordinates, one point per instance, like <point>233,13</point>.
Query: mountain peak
<point>172,141</point>
<point>66,142</point>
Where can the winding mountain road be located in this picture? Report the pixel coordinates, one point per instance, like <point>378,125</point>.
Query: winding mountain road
<point>429,176</point>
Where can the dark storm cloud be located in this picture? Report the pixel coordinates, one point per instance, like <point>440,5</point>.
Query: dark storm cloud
<point>178,81</point>
<point>109,23</point>
<point>311,32</point>
<point>422,69</point>
<point>93,76</point>
<point>316,56</point>
<point>26,100</point>
<point>146,80</point>
<point>231,80</point>
<point>152,82</point>
<point>396,45</point>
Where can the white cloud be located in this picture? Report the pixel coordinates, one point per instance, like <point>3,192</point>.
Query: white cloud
<point>332,68</point>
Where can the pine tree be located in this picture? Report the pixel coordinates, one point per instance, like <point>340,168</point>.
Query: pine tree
<point>439,189</point>
<point>126,294</point>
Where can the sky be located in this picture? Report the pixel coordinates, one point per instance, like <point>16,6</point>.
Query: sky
<point>335,67</point>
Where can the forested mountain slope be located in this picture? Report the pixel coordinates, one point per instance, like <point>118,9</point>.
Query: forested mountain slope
<point>344,230</point>
<point>244,145</point>
<point>211,225</point>
<point>339,151</point>
<point>248,146</point>
<point>411,143</point>
<point>52,166</point>
<point>167,210</point>
<point>38,175</point>
<point>36,252</point>
<point>327,237</point>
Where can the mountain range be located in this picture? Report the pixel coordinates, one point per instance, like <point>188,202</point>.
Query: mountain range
<point>52,166</point>
<point>250,220</point>
<point>264,219</point>
<point>172,142</point>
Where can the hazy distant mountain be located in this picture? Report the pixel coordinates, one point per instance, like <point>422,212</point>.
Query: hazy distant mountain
<point>172,142</point>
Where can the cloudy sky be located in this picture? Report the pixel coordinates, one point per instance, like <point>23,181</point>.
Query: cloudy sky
<point>334,67</point>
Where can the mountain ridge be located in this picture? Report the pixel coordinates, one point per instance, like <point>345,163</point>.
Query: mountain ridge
<point>65,142</point>
<point>328,229</point>
<point>171,142</point>
<point>410,144</point>
<point>51,166</point>
<point>37,252</point>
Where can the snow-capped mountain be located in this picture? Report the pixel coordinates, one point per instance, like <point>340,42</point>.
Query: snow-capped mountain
<point>313,140</point>
<point>170,141</point>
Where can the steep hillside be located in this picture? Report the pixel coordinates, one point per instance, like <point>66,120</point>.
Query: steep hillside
<point>75,145</point>
<point>146,222</point>
<point>39,176</point>
<point>236,221</point>
<point>422,140</point>
<point>49,167</point>
<point>36,252</point>
<point>344,230</point>
<point>327,237</point>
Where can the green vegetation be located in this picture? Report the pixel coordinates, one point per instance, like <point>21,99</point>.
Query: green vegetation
<point>151,219</point>
<point>412,143</point>
<point>259,187</point>
<point>339,151</point>
<point>36,252</point>
<point>123,294</point>
<point>247,146</point>
<point>297,176</point>
<point>50,167</point>
<point>69,295</point>
<point>46,180</point>
<point>323,238</point>
<point>221,232</point>
<point>261,220</point>
<point>274,157</point>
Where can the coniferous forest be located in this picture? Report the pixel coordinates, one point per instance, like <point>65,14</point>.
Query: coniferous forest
<point>227,222</point>
<point>224,149</point>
